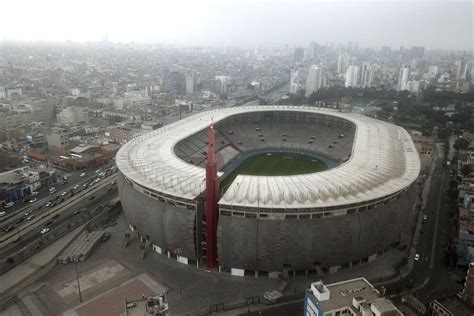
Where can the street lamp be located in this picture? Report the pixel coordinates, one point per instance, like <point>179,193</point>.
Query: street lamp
<point>77,278</point>
<point>178,252</point>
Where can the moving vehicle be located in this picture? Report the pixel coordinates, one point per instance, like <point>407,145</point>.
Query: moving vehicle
<point>417,257</point>
<point>33,200</point>
<point>45,230</point>
<point>82,175</point>
<point>9,204</point>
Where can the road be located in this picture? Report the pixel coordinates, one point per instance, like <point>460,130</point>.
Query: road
<point>18,211</point>
<point>57,222</point>
<point>43,214</point>
<point>430,276</point>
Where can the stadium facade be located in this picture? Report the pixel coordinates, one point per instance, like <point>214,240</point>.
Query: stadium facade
<point>328,220</point>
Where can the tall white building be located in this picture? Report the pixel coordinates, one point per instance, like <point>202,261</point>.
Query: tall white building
<point>340,64</point>
<point>73,115</point>
<point>343,61</point>
<point>314,80</point>
<point>433,71</point>
<point>413,86</point>
<point>462,69</point>
<point>313,50</point>
<point>189,84</point>
<point>403,78</point>
<point>222,82</point>
<point>294,81</point>
<point>366,76</point>
<point>352,76</point>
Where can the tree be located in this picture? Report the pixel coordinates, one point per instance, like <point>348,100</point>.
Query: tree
<point>466,170</point>
<point>461,143</point>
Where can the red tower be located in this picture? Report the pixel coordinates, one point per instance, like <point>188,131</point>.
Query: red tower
<point>212,194</point>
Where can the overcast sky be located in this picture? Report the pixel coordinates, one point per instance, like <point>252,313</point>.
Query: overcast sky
<point>446,24</point>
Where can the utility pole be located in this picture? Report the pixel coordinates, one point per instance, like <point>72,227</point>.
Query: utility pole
<point>178,252</point>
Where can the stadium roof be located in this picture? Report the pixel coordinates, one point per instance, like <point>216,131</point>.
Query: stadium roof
<point>383,161</point>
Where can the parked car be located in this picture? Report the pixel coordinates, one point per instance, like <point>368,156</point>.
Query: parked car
<point>417,257</point>
<point>82,175</point>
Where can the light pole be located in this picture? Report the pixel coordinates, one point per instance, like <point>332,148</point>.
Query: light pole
<point>178,252</point>
<point>77,278</point>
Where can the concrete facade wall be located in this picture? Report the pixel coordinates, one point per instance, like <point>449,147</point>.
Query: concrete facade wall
<point>168,226</point>
<point>269,245</point>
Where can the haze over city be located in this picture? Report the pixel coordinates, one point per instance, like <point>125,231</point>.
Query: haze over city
<point>239,157</point>
<point>243,23</point>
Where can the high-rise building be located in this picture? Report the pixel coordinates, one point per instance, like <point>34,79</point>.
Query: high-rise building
<point>366,76</point>
<point>433,71</point>
<point>221,84</point>
<point>352,76</point>
<point>459,66</point>
<point>299,55</point>
<point>403,77</point>
<point>350,47</point>
<point>466,71</point>
<point>462,72</point>
<point>189,84</point>
<point>294,81</point>
<point>313,50</point>
<point>341,64</point>
<point>175,82</point>
<point>413,86</point>
<point>314,80</point>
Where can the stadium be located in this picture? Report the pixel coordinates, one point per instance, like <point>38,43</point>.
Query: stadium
<point>298,188</point>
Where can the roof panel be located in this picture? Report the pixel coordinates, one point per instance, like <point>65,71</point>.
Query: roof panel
<point>383,161</point>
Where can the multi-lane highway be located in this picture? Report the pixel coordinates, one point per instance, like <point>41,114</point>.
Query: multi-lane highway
<point>12,223</point>
<point>54,223</point>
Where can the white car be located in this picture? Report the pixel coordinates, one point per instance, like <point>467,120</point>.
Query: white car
<point>417,257</point>
<point>2,213</point>
<point>33,200</point>
<point>64,193</point>
<point>9,204</point>
<point>44,230</point>
<point>82,175</point>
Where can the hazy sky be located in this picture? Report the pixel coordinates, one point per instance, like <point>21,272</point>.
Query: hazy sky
<point>444,24</point>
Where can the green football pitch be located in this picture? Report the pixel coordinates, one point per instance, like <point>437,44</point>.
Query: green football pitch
<point>275,164</point>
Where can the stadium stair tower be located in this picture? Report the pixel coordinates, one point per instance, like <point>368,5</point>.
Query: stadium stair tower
<point>209,243</point>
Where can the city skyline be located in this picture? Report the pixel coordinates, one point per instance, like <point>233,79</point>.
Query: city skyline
<point>244,24</point>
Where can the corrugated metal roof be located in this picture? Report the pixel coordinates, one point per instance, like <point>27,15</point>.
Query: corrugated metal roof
<point>383,161</point>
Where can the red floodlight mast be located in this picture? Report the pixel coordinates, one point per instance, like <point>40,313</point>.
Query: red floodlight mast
<point>212,194</point>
